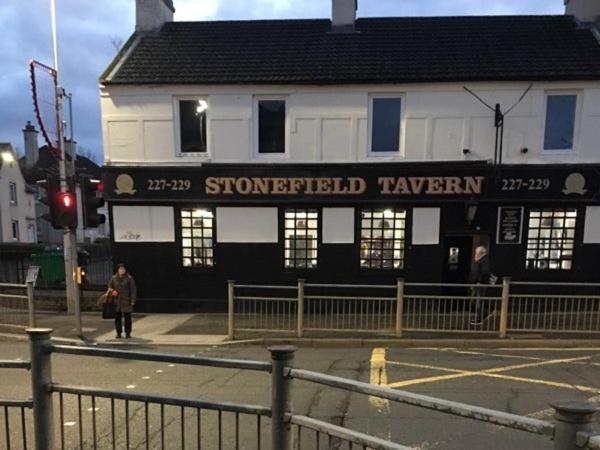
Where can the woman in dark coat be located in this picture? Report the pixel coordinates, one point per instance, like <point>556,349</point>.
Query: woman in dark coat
<point>124,293</point>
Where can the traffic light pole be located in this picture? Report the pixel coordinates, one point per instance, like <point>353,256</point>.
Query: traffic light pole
<point>70,236</point>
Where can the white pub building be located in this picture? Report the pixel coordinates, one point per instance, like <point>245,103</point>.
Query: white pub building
<point>352,150</point>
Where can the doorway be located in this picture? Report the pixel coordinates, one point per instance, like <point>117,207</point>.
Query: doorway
<point>458,254</point>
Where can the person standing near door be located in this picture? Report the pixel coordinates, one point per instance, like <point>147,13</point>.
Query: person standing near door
<point>123,290</point>
<point>480,275</point>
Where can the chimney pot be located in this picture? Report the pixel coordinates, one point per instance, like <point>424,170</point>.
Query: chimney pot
<point>30,137</point>
<point>150,15</point>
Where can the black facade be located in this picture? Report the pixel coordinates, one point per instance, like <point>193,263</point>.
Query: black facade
<point>479,203</point>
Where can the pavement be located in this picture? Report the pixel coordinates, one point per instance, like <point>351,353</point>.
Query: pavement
<point>522,381</point>
<point>210,329</point>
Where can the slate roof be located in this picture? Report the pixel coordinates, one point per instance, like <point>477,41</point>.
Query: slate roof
<point>383,50</point>
<point>46,164</point>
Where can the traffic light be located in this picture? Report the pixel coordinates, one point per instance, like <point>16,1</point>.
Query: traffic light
<point>62,205</point>
<point>91,200</point>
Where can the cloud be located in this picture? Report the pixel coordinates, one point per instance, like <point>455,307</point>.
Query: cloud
<point>88,29</point>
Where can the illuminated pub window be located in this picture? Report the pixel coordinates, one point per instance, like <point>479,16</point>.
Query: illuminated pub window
<point>382,238</point>
<point>197,237</point>
<point>301,238</point>
<point>551,239</point>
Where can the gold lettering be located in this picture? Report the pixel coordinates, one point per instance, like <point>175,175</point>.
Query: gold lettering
<point>295,184</point>
<point>473,185</point>
<point>228,182</point>
<point>308,189</point>
<point>261,185</point>
<point>435,185</point>
<point>243,185</point>
<point>323,185</point>
<point>453,185</point>
<point>416,184</point>
<point>279,186</point>
<point>401,186</point>
<point>339,187</point>
<point>386,184</point>
<point>212,186</point>
<point>357,185</point>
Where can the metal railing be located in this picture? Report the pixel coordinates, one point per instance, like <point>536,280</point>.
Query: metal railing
<point>17,307</point>
<point>18,410</point>
<point>147,419</point>
<point>415,307</point>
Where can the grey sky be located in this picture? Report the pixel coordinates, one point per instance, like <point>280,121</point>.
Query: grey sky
<point>88,30</point>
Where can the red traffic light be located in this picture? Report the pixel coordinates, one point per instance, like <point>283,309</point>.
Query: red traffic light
<point>67,200</point>
<point>100,186</point>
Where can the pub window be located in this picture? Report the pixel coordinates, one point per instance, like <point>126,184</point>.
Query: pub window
<point>382,238</point>
<point>13,193</point>
<point>560,122</point>
<point>551,239</point>
<point>198,237</point>
<point>385,124</point>
<point>301,238</point>
<point>271,126</point>
<point>192,126</point>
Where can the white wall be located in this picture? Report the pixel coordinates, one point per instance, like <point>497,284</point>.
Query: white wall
<point>330,124</point>
<point>23,211</point>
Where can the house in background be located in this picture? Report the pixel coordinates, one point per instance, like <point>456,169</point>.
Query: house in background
<point>17,201</point>
<point>37,163</point>
<point>348,149</point>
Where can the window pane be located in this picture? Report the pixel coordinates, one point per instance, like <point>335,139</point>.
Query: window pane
<point>550,241</point>
<point>560,122</point>
<point>198,250</point>
<point>192,122</point>
<point>271,126</point>
<point>385,125</point>
<point>382,240</point>
<point>301,239</point>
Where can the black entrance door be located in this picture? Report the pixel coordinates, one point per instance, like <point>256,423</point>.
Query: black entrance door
<point>458,251</point>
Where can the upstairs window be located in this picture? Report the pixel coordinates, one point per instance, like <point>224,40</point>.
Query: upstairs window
<point>386,114</point>
<point>551,239</point>
<point>192,126</point>
<point>271,126</point>
<point>13,193</point>
<point>15,230</point>
<point>559,131</point>
<point>301,238</point>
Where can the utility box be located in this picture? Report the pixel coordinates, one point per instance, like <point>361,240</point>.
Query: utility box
<point>52,266</point>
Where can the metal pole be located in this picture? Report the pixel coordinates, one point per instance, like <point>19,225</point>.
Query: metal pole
<point>399,305</point>
<point>41,378</point>
<point>69,236</point>
<point>31,304</point>
<point>230,311</point>
<point>300,310</point>
<point>572,417</point>
<point>504,306</point>
<point>281,403</point>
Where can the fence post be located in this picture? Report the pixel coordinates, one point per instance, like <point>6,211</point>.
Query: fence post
<point>504,306</point>
<point>399,305</point>
<point>41,378</point>
<point>230,309</point>
<point>30,304</point>
<point>572,417</point>
<point>300,311</point>
<point>281,403</point>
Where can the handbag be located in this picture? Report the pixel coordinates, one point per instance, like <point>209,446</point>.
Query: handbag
<point>109,310</point>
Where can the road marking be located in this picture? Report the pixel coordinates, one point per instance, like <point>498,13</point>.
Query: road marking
<point>500,355</point>
<point>378,376</point>
<point>457,373</point>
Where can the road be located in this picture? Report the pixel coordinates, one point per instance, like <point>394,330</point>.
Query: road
<point>521,381</point>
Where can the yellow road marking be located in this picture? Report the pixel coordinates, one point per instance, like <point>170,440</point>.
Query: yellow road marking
<point>378,377</point>
<point>500,355</point>
<point>456,373</point>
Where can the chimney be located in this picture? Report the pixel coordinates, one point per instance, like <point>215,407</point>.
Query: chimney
<point>150,15</point>
<point>584,10</point>
<point>343,15</point>
<point>32,151</point>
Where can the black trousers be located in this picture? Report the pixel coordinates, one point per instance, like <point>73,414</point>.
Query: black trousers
<point>119,322</point>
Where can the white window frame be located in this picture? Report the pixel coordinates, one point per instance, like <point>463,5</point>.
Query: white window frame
<point>12,188</point>
<point>177,128</point>
<point>15,227</point>
<point>286,141</point>
<point>578,104</point>
<point>392,154</point>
